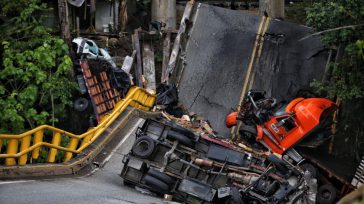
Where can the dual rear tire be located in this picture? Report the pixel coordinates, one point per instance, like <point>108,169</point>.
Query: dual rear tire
<point>158,182</point>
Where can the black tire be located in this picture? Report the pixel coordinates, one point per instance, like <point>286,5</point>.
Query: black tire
<point>143,147</point>
<point>81,104</point>
<point>180,138</point>
<point>248,129</point>
<point>128,183</point>
<point>161,176</point>
<point>326,194</point>
<point>310,168</point>
<point>248,134</point>
<point>156,185</point>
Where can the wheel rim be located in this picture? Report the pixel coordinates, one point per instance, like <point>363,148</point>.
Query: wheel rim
<point>143,146</point>
<point>326,194</point>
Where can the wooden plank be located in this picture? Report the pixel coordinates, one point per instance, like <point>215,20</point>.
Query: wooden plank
<point>138,68</point>
<point>177,41</point>
<point>166,53</point>
<point>149,67</point>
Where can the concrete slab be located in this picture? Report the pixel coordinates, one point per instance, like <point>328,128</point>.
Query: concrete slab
<point>219,52</point>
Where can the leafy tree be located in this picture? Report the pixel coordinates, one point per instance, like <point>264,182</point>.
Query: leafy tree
<point>35,85</point>
<point>347,80</point>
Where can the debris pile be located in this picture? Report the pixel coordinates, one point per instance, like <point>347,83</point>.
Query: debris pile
<point>182,157</point>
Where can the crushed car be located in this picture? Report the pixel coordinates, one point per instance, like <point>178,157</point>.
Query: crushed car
<point>101,83</point>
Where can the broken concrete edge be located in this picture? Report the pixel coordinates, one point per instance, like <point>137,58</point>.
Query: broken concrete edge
<point>354,196</point>
<point>74,165</point>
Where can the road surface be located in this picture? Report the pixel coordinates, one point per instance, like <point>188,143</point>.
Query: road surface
<point>103,185</point>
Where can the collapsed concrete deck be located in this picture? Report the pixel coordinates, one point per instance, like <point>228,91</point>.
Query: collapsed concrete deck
<point>228,52</point>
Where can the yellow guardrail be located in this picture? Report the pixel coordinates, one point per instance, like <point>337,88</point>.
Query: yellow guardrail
<point>26,146</point>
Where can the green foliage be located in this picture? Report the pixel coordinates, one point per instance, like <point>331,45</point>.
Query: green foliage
<point>34,74</point>
<point>295,12</point>
<point>11,7</point>
<point>347,79</point>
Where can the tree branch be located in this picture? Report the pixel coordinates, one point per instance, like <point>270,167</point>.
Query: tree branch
<point>330,30</point>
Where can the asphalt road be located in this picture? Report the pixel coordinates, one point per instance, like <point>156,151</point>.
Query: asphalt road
<point>102,186</point>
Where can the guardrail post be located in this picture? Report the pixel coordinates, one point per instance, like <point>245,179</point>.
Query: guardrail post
<point>38,138</point>
<point>150,101</point>
<point>87,139</point>
<point>72,145</point>
<point>53,151</point>
<point>12,149</point>
<point>142,101</point>
<point>25,143</point>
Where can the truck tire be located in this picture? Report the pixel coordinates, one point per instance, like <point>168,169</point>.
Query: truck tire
<point>156,185</point>
<point>128,183</point>
<point>161,176</point>
<point>143,147</point>
<point>326,194</point>
<point>81,104</point>
<point>180,138</point>
<point>310,168</point>
<point>248,134</point>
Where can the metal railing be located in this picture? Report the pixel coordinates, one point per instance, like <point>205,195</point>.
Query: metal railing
<point>23,148</point>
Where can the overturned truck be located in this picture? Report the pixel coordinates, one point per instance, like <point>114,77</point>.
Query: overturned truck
<point>169,159</point>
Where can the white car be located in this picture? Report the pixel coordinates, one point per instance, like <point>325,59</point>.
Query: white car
<point>89,48</point>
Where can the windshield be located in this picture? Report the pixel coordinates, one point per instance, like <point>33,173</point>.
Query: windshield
<point>281,110</point>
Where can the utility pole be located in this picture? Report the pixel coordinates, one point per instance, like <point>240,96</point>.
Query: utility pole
<point>63,21</point>
<point>272,8</point>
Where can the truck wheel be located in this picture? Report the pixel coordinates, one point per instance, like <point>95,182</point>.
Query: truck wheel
<point>248,135</point>
<point>156,185</point>
<point>143,147</point>
<point>310,168</point>
<point>248,131</point>
<point>81,104</point>
<point>180,138</point>
<point>161,176</point>
<point>326,194</point>
<point>128,183</point>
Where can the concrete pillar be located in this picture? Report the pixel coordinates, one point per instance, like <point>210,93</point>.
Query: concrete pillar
<point>164,11</point>
<point>274,8</point>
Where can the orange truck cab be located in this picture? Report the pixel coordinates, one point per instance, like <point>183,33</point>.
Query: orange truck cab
<point>301,119</point>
